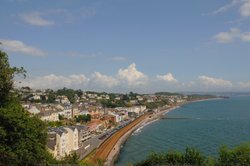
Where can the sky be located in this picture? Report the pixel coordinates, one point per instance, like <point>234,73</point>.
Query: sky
<point>143,46</point>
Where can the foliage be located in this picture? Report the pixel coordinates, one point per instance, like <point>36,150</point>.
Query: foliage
<point>154,105</point>
<point>22,138</point>
<point>51,96</point>
<point>113,104</point>
<point>168,94</point>
<point>83,118</point>
<point>72,159</point>
<point>237,156</point>
<point>190,157</point>
<point>55,124</point>
<point>227,157</point>
<point>79,92</point>
<point>70,93</point>
<point>6,78</point>
<point>61,117</point>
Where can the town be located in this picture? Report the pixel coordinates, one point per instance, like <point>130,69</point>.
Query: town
<point>79,122</point>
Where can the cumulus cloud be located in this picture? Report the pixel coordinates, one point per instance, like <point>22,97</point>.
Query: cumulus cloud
<point>168,78</point>
<point>233,34</point>
<point>35,18</point>
<point>19,47</point>
<point>104,80</point>
<point>226,37</point>
<point>132,76</point>
<point>214,82</point>
<point>54,81</point>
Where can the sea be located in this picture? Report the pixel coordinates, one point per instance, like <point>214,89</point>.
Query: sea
<point>205,125</point>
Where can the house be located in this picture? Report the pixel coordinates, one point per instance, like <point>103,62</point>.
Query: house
<point>64,140</point>
<point>117,116</point>
<point>57,143</point>
<point>50,116</point>
<point>35,97</point>
<point>67,112</point>
<point>75,110</point>
<point>84,134</point>
<point>72,137</point>
<point>33,110</point>
<point>95,125</point>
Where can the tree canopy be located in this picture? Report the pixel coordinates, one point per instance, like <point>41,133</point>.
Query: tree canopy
<point>22,138</point>
<point>239,155</point>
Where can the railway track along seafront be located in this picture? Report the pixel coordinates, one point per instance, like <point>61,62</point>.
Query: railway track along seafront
<point>107,146</point>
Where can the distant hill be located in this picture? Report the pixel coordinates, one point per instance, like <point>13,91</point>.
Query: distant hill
<point>168,94</point>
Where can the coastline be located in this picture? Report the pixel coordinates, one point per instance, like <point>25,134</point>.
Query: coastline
<point>114,154</point>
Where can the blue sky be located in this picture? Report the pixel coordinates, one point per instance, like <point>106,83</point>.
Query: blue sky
<point>128,45</point>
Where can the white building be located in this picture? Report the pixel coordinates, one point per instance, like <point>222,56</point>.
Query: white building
<point>72,137</point>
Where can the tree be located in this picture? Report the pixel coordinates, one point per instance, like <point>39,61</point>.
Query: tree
<point>83,118</point>
<point>79,92</point>
<point>6,78</point>
<point>227,157</point>
<point>70,93</point>
<point>22,138</point>
<point>237,156</point>
<point>72,159</point>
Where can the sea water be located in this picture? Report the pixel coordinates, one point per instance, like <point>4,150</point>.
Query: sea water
<point>205,125</point>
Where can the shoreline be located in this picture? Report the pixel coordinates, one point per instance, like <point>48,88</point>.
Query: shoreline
<point>114,154</point>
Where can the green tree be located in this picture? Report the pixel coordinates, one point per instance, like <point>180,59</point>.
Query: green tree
<point>79,92</point>
<point>83,118</point>
<point>70,93</point>
<point>22,138</point>
<point>237,156</point>
<point>72,159</point>
<point>6,78</point>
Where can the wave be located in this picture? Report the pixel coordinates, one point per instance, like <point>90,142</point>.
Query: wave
<point>142,126</point>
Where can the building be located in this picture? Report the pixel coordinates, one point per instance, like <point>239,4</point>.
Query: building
<point>50,116</point>
<point>33,110</point>
<point>72,137</point>
<point>84,134</point>
<point>57,143</point>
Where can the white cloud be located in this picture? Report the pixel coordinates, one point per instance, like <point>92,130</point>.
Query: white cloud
<point>233,34</point>
<point>53,81</point>
<point>104,80</point>
<point>245,9</point>
<point>214,82</point>
<point>226,37</point>
<point>19,47</point>
<point>243,5</point>
<point>226,7</point>
<point>168,78</point>
<point>35,18</point>
<point>119,58</point>
<point>132,76</point>
<point>244,85</point>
